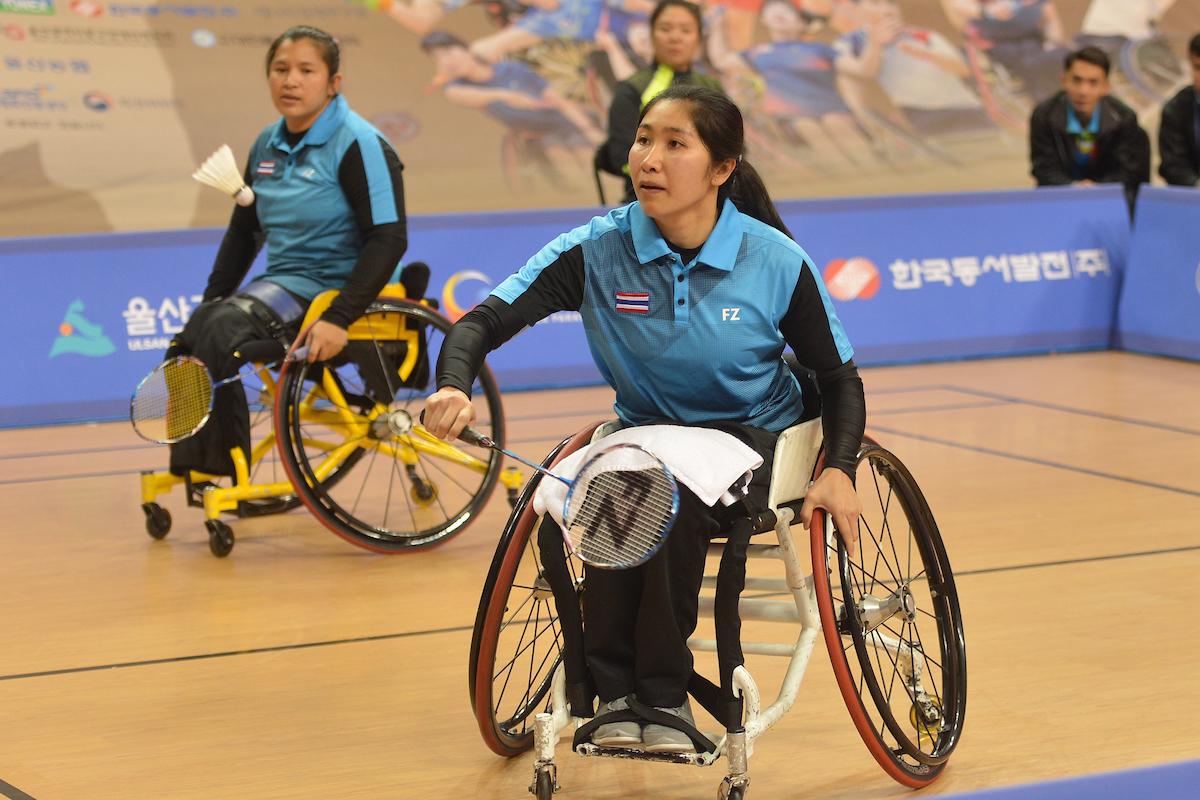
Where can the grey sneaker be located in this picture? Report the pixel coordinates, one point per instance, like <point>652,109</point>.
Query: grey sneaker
<point>661,739</point>
<point>616,734</point>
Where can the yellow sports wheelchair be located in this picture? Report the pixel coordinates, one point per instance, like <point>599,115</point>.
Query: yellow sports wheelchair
<point>340,438</point>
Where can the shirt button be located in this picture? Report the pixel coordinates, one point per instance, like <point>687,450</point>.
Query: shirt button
<point>680,301</point>
<point>680,279</point>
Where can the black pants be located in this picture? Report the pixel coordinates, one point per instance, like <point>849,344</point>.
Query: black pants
<point>215,334</point>
<point>636,622</point>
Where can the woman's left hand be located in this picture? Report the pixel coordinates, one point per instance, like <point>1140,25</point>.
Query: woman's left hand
<point>834,492</point>
<point>325,340</point>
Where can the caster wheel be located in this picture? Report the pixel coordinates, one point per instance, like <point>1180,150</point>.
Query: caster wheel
<point>731,793</point>
<point>927,721</point>
<point>543,786</point>
<point>423,493</point>
<point>220,538</point>
<point>158,520</point>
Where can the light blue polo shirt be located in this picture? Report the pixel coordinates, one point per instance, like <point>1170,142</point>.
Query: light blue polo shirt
<point>313,238</point>
<point>696,342</point>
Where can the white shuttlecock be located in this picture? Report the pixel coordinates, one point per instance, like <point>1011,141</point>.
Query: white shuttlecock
<point>220,171</point>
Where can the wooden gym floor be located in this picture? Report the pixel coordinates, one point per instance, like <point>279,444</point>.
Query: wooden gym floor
<point>1066,487</point>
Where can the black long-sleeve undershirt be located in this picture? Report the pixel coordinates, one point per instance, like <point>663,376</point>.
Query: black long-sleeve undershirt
<point>383,245</point>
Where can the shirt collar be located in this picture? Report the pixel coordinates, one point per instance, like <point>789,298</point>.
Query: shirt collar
<point>322,129</point>
<point>720,250</point>
<point>1073,124</point>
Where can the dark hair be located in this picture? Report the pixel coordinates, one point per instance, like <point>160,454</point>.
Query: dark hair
<point>331,54</point>
<point>1194,45</point>
<point>719,124</point>
<point>436,39</point>
<point>1088,55</point>
<point>687,6</point>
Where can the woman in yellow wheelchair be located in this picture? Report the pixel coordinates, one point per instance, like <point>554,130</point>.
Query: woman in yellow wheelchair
<point>329,206</point>
<point>689,297</point>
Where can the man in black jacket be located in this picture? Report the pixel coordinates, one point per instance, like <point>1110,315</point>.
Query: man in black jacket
<point>1180,129</point>
<point>1083,136</point>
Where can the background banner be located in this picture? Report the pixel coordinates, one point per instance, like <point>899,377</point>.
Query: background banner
<point>106,108</point>
<point>1160,301</point>
<point>912,278</point>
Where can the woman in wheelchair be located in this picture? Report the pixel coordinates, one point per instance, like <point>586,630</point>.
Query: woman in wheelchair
<point>689,297</point>
<point>330,207</point>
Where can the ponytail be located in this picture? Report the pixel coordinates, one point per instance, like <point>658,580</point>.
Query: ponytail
<point>749,194</point>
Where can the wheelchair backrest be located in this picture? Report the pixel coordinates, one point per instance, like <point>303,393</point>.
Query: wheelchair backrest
<point>792,468</point>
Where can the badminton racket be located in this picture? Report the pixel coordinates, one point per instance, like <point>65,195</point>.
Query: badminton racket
<point>175,400</point>
<point>619,508</point>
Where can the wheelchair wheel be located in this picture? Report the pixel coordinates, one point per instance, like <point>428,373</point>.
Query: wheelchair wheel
<point>892,624</point>
<point>350,442</point>
<point>516,645</point>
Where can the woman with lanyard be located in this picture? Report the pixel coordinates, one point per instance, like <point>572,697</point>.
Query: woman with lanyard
<point>728,289</point>
<point>675,28</point>
<point>329,204</point>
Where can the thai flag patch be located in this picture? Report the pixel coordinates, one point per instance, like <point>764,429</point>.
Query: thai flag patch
<point>633,302</point>
<point>266,168</point>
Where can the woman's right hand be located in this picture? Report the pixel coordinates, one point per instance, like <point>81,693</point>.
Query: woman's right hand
<point>447,412</point>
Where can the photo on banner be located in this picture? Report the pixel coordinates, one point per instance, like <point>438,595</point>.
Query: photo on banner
<point>108,107</point>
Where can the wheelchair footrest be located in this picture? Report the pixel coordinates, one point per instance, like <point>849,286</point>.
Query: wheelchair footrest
<point>265,506</point>
<point>695,759</point>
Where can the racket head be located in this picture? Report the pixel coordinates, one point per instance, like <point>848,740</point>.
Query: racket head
<point>620,507</point>
<point>173,401</point>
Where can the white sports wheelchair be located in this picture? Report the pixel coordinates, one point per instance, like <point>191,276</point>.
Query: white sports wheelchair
<point>889,616</point>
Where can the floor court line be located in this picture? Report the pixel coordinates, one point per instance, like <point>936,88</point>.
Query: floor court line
<point>13,793</point>
<point>1033,460</point>
<point>462,628</point>
<point>1083,412</point>
<point>249,651</point>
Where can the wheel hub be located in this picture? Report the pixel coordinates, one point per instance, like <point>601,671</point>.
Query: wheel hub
<point>394,422</point>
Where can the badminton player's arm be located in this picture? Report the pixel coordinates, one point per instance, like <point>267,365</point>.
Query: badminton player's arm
<point>243,239</point>
<point>371,177</point>
<point>815,336</point>
<point>536,292</point>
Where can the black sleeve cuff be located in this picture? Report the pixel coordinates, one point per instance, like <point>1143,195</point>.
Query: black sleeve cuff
<point>843,417</point>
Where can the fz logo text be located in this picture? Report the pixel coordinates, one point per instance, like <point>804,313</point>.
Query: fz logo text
<point>731,314</point>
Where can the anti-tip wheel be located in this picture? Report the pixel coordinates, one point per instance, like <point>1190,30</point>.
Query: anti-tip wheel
<point>220,538</point>
<point>158,520</point>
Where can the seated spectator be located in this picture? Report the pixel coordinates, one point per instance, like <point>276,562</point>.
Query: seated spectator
<point>676,27</point>
<point>1179,132</point>
<point>1083,136</point>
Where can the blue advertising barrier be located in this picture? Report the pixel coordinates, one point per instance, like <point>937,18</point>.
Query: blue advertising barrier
<point>1159,310</point>
<point>923,277</point>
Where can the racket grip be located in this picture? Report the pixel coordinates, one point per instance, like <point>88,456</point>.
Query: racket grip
<point>468,435</point>
<point>472,436</point>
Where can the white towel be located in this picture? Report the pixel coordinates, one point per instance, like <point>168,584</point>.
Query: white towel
<point>706,461</point>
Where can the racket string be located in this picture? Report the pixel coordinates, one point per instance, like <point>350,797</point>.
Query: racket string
<point>624,515</point>
<point>173,401</point>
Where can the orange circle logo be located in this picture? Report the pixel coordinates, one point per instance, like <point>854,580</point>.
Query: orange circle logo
<point>66,329</point>
<point>851,279</point>
<point>455,301</point>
